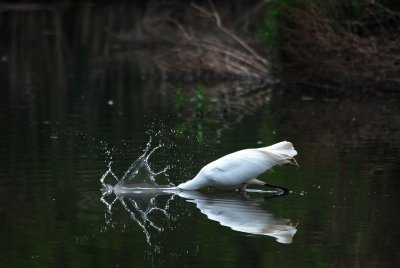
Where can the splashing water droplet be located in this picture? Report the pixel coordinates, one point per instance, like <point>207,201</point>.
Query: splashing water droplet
<point>137,191</point>
<point>139,174</point>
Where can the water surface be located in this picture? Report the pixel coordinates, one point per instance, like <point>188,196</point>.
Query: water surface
<point>68,110</point>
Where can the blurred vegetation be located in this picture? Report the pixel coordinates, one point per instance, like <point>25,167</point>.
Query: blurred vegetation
<point>346,43</point>
<point>326,44</point>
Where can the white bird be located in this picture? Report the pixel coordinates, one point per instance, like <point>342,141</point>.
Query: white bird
<point>241,168</point>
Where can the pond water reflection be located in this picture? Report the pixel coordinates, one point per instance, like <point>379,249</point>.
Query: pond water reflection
<point>68,107</point>
<point>242,214</point>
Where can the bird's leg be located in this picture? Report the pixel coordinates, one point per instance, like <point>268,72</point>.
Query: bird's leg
<point>284,190</point>
<point>242,189</point>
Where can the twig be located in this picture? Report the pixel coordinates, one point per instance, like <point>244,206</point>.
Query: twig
<point>217,18</point>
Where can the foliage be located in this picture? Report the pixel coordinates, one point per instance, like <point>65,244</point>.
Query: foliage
<point>200,98</point>
<point>199,107</point>
<point>342,43</point>
<point>270,30</point>
<point>179,99</point>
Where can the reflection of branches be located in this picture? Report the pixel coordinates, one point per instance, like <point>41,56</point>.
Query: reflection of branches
<point>227,105</point>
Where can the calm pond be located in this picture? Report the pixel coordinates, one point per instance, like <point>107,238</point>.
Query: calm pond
<point>67,117</point>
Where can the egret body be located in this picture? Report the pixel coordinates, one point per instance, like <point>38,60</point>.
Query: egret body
<point>241,168</point>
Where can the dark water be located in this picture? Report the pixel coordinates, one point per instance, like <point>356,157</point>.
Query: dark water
<point>69,106</point>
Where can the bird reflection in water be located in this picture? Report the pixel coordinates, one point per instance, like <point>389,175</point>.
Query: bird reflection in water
<point>242,214</point>
<point>234,210</point>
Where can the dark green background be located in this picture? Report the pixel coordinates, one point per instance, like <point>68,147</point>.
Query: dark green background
<point>59,132</point>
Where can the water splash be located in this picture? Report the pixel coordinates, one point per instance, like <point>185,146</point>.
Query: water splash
<point>137,191</point>
<point>138,175</point>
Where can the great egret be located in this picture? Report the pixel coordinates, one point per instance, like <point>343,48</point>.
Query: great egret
<point>241,168</point>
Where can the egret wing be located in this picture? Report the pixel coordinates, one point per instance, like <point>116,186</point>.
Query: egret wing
<point>238,168</point>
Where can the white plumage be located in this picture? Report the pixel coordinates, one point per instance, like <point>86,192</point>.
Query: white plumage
<point>241,168</point>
